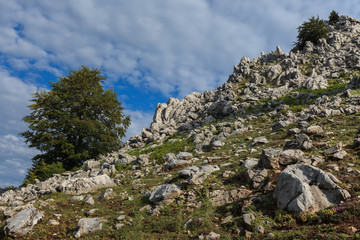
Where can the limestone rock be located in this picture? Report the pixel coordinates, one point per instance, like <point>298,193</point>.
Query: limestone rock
<point>258,141</point>
<point>319,82</point>
<point>23,222</point>
<point>304,188</point>
<point>77,198</point>
<point>290,156</point>
<point>221,197</point>
<point>196,175</point>
<point>314,129</point>
<point>248,218</point>
<point>165,193</point>
<point>107,194</point>
<point>87,225</point>
<point>279,125</point>
<point>270,158</point>
<point>85,185</point>
<point>250,163</point>
<point>257,178</point>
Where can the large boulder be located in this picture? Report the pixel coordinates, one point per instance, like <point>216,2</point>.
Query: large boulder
<point>87,225</point>
<point>23,222</point>
<point>165,193</point>
<point>85,185</point>
<point>304,188</point>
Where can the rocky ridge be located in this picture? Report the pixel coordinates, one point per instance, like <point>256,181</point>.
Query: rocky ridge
<point>282,131</point>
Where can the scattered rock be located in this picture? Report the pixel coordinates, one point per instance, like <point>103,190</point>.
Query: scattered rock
<point>77,198</point>
<point>23,222</point>
<point>259,141</point>
<point>250,163</point>
<point>269,158</point>
<point>91,212</point>
<point>165,193</point>
<point>290,156</point>
<point>222,197</point>
<point>314,130</point>
<point>248,218</point>
<point>87,225</point>
<point>260,229</point>
<point>90,201</point>
<point>279,125</point>
<point>107,194</point>
<point>304,188</point>
<point>85,185</point>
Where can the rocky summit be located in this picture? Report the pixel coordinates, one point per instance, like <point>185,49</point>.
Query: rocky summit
<point>273,153</point>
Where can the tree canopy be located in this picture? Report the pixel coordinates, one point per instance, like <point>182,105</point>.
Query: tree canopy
<point>76,120</point>
<point>333,17</point>
<point>312,30</point>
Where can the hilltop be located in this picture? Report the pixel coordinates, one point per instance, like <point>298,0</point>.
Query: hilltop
<point>272,153</point>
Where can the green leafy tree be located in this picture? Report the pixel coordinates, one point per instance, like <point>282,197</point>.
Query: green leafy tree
<point>333,17</point>
<point>74,121</point>
<point>313,30</point>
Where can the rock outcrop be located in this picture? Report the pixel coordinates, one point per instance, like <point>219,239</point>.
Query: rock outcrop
<point>304,188</point>
<point>23,222</point>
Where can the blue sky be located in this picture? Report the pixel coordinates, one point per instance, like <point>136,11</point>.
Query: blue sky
<point>149,50</point>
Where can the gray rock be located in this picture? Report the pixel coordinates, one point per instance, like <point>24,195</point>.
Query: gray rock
<point>334,149</point>
<point>340,155</point>
<point>250,163</point>
<point>77,198</point>
<point>257,178</point>
<point>107,194</point>
<point>314,129</point>
<point>196,175</point>
<point>221,109</point>
<point>85,185</point>
<point>91,164</point>
<point>87,225</point>
<point>90,201</point>
<point>142,160</point>
<point>279,125</point>
<point>216,144</point>
<point>260,229</point>
<point>165,193</point>
<point>319,82</point>
<point>221,197</point>
<point>259,141</point>
<point>248,218</point>
<point>121,218</point>
<point>16,203</point>
<point>290,156</point>
<point>354,83</point>
<point>302,141</point>
<point>184,156</point>
<point>23,222</point>
<point>269,158</point>
<point>304,188</point>
<point>91,212</point>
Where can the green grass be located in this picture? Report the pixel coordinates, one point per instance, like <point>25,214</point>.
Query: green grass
<point>158,152</point>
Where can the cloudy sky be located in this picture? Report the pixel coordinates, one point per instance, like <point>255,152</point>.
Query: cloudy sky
<point>149,50</point>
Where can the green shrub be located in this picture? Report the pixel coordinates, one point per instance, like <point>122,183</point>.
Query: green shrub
<point>312,31</point>
<point>333,17</point>
<point>43,171</point>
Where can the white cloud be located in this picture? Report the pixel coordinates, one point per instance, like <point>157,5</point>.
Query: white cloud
<point>14,96</point>
<point>15,159</point>
<point>163,39</point>
<point>139,120</point>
